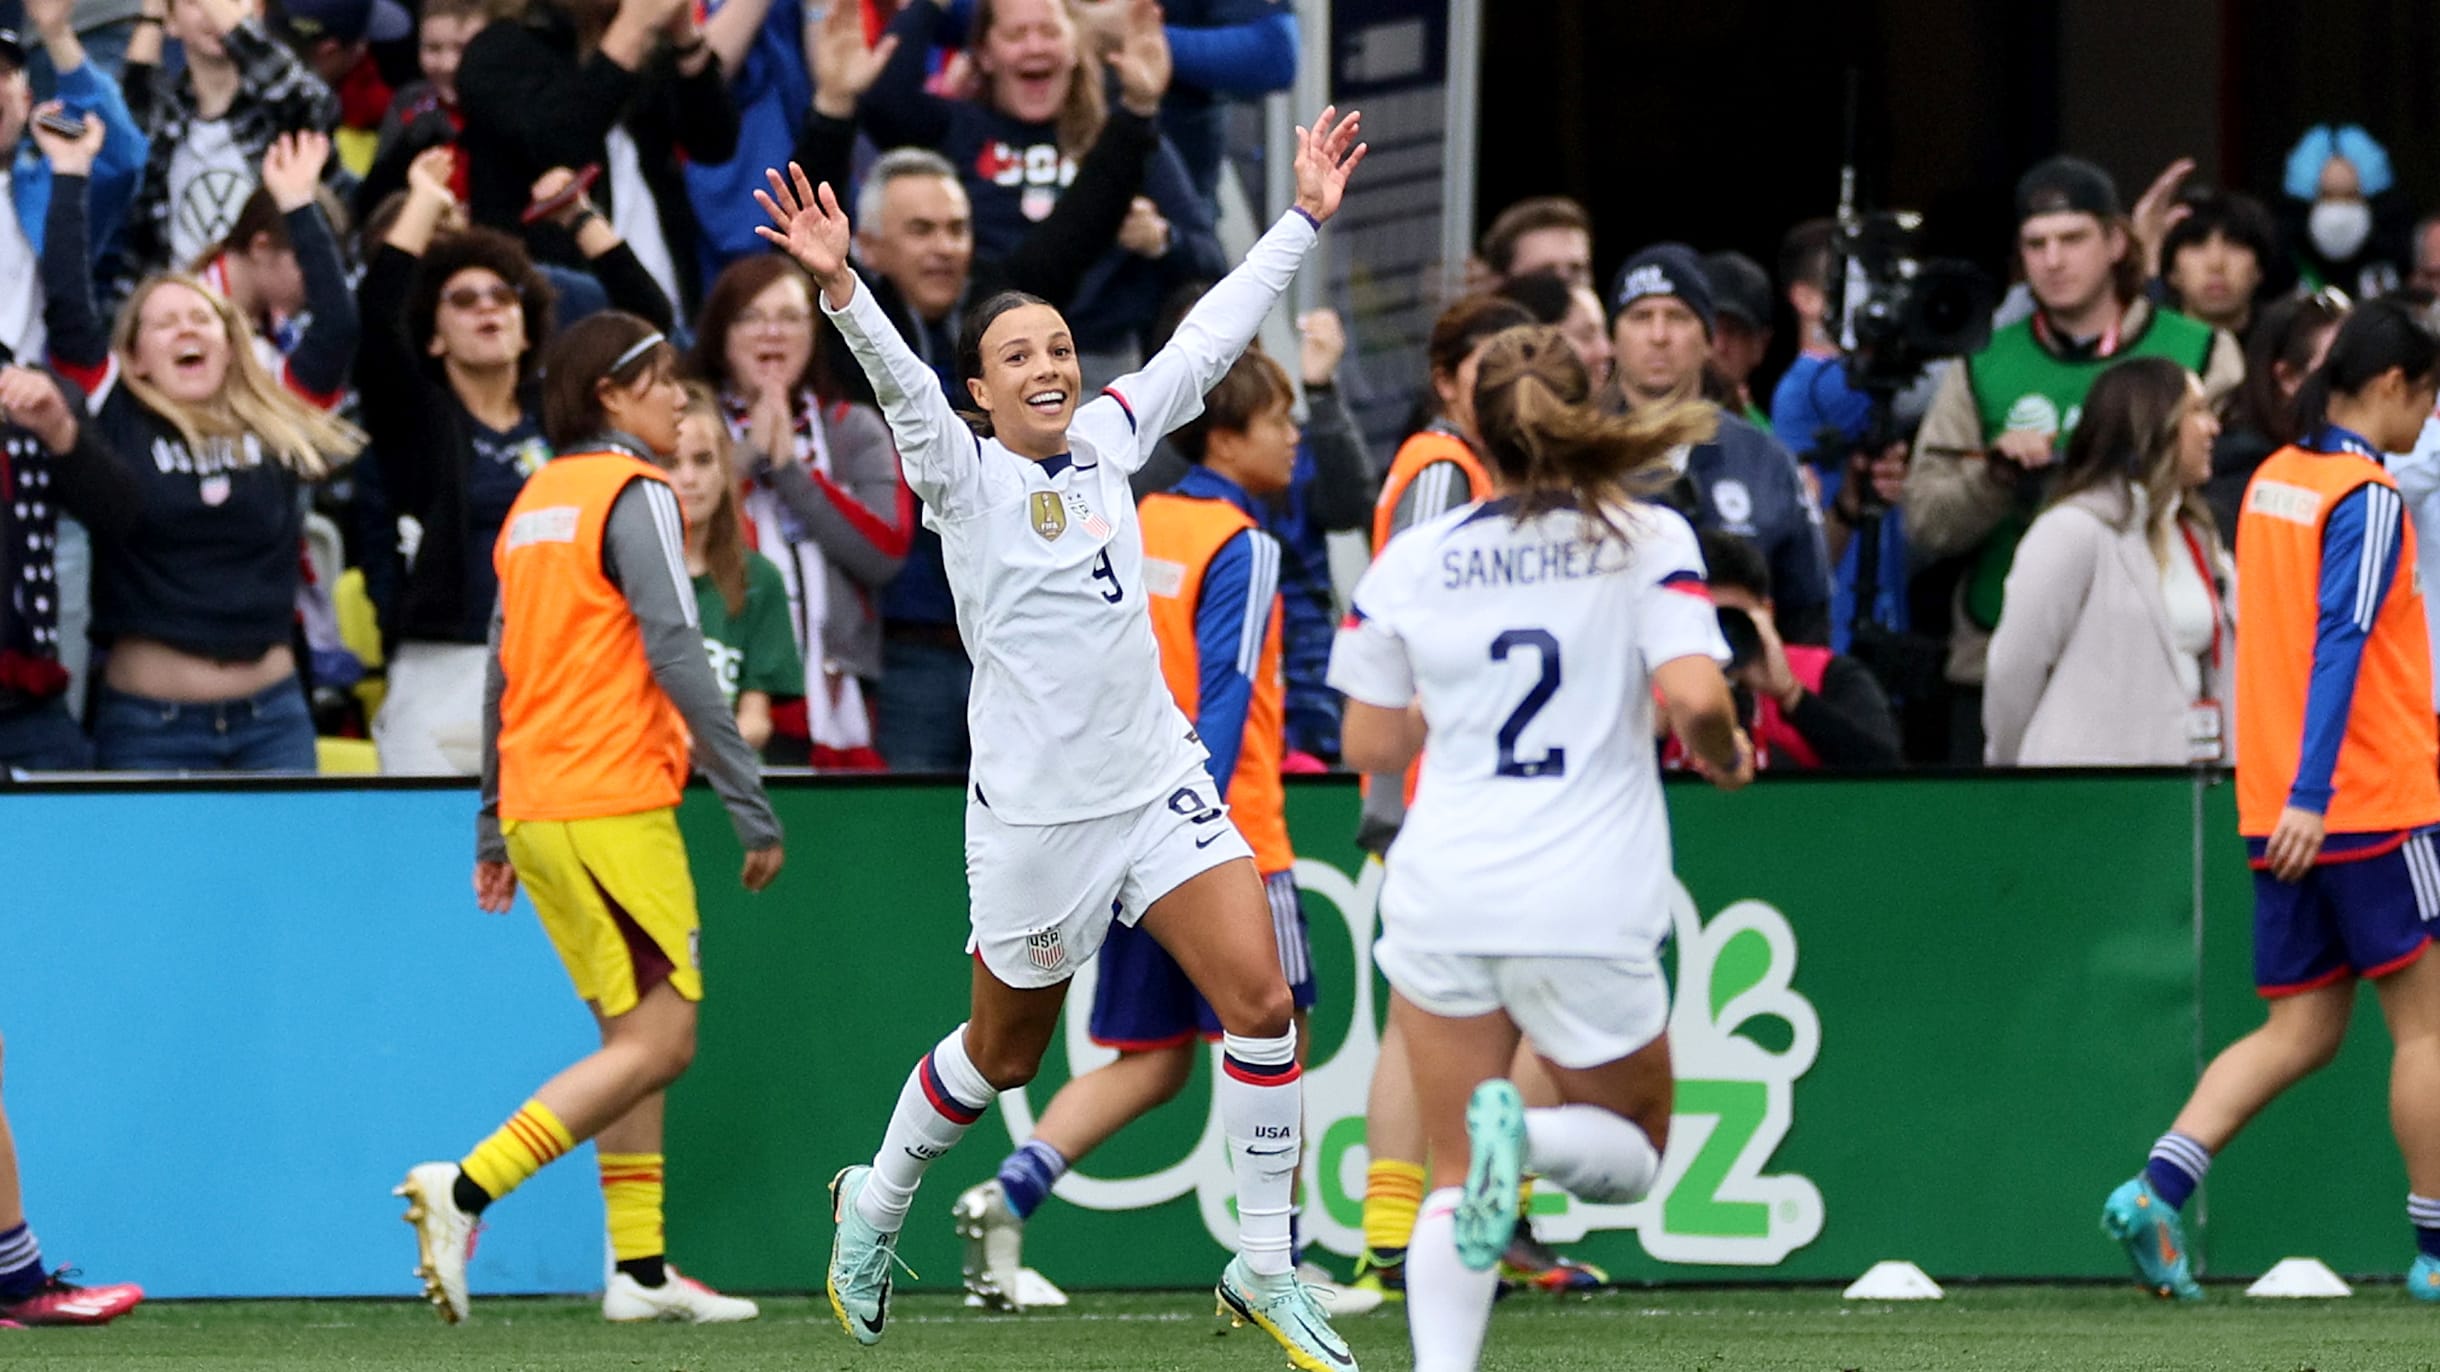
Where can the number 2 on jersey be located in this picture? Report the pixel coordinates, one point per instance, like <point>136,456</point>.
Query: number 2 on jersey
<point>1103,571</point>
<point>1553,762</point>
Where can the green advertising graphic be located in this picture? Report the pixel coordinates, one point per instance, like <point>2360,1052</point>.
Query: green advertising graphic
<point>1931,1019</point>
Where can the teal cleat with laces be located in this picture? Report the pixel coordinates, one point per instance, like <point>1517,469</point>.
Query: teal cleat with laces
<point>860,1259</point>
<point>2155,1241</point>
<point>1486,1216</point>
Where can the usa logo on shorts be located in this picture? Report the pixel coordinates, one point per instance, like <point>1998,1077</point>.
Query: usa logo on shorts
<point>1043,950</point>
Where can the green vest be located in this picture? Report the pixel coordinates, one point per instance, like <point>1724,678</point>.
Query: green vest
<point>2020,385</point>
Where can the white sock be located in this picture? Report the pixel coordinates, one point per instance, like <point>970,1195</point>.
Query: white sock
<point>943,1097</point>
<point>1596,1155</point>
<point>1261,1110</point>
<point>1448,1305</point>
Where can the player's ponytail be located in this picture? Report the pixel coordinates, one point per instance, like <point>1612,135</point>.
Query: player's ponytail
<point>1552,449</point>
<point>2376,337</point>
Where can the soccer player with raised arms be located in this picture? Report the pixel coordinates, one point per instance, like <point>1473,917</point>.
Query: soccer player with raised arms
<point>1090,800</point>
<point>2338,788</point>
<point>598,685</point>
<point>1527,894</point>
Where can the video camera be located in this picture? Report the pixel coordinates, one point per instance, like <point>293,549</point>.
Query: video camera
<point>1897,312</point>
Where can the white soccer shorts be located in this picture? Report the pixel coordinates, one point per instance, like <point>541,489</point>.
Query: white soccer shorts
<point>1577,1012</point>
<point>1041,897</point>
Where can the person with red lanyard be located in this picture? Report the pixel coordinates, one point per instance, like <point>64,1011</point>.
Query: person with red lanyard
<point>1804,706</point>
<point>2338,788</point>
<point>2114,646</point>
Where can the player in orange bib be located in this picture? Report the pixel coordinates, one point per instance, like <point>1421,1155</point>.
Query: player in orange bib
<point>2338,787</point>
<point>598,681</point>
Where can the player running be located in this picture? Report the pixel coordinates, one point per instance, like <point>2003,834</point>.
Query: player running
<point>1213,576</point>
<point>1527,894</point>
<point>2338,788</point>
<point>598,680</point>
<point>1090,801</point>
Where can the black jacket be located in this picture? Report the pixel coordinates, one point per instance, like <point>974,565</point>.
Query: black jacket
<point>530,105</point>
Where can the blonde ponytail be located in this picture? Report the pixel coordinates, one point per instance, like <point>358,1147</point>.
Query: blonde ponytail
<point>1553,449</point>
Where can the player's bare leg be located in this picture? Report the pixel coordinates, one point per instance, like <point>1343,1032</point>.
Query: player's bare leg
<point>28,1294</point>
<point>1448,1302</point>
<point>1093,1107</point>
<point>1218,928</point>
<point>2299,1037</point>
<point>2410,1001</point>
<point>1394,1175</point>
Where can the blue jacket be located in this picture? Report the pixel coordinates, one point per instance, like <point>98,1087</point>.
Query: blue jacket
<point>85,89</point>
<point>1744,483</point>
<point>771,92</point>
<point>1814,400</point>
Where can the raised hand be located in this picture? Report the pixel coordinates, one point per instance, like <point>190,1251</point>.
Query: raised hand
<point>844,68</point>
<point>30,399</point>
<point>807,224</point>
<point>48,17</point>
<point>67,156</point>
<point>2158,210</point>
<point>554,182</point>
<point>1140,57</point>
<point>292,168</point>
<point>1144,232</point>
<point>1322,342</point>
<point>1326,155</point>
<point>431,172</point>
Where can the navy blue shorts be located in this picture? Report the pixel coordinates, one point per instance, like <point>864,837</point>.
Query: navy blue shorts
<point>2364,911</point>
<point>1142,1001</point>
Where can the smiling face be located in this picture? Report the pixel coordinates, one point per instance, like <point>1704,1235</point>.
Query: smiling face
<point>1028,57</point>
<point>181,344</point>
<point>440,43</point>
<point>480,324</point>
<point>770,341</point>
<point>1029,380</point>
<point>924,243</point>
<point>697,471</point>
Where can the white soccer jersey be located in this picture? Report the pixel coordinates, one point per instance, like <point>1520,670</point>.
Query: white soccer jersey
<point>1069,715</point>
<point>1537,827</point>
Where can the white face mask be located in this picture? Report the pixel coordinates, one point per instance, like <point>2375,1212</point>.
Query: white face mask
<point>2339,227</point>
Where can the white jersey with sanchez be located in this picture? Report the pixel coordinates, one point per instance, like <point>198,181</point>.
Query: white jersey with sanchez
<point>1069,714</point>
<point>1538,827</point>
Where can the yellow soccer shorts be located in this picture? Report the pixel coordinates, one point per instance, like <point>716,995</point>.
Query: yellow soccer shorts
<point>617,900</point>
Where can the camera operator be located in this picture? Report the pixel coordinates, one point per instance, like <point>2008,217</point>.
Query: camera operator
<point>1803,706</point>
<point>1742,481</point>
<point>1997,422</point>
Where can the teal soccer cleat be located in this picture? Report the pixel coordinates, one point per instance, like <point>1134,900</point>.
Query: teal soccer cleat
<point>2137,1217</point>
<point>1487,1216</point>
<point>860,1258</point>
<point>2423,1279</point>
<point>1284,1308</point>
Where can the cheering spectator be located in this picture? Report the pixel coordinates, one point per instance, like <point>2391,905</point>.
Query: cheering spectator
<point>83,90</point>
<point>455,322</point>
<point>2345,212</point>
<point>2216,261</point>
<point>209,126</point>
<point>47,459</point>
<point>825,496</point>
<point>2259,417</point>
<point>2115,648</point>
<point>195,586</point>
<point>1575,311</point>
<point>1015,145</point>
<point>255,266</point>
<point>1803,706</point>
<point>1330,491</point>
<point>740,599</point>
<point>1548,233</point>
<point>1997,420</point>
<point>575,84</point>
<point>425,113</point>
<point>1742,481</point>
<point>1225,50</point>
<point>1741,300</point>
<point>333,39</point>
<point>765,50</point>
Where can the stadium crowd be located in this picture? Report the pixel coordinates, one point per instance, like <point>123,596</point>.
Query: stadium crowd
<point>275,283</point>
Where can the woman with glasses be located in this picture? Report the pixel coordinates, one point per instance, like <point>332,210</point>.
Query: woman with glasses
<point>822,492</point>
<point>455,322</point>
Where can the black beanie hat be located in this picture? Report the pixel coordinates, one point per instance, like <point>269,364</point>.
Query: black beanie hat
<point>1666,269</point>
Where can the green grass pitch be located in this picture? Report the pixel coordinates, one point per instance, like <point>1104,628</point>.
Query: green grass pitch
<point>1978,1329</point>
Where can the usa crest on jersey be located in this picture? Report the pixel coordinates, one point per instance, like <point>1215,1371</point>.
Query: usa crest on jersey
<point>1050,520</point>
<point>1043,950</point>
<point>1094,525</point>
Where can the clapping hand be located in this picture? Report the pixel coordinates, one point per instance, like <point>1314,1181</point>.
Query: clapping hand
<point>292,168</point>
<point>807,223</point>
<point>1144,231</point>
<point>67,156</point>
<point>1326,155</point>
<point>1140,57</point>
<point>844,68</point>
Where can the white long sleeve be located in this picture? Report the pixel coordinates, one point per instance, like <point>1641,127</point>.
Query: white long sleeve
<point>936,448</point>
<point>2418,477</point>
<point>1169,389</point>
